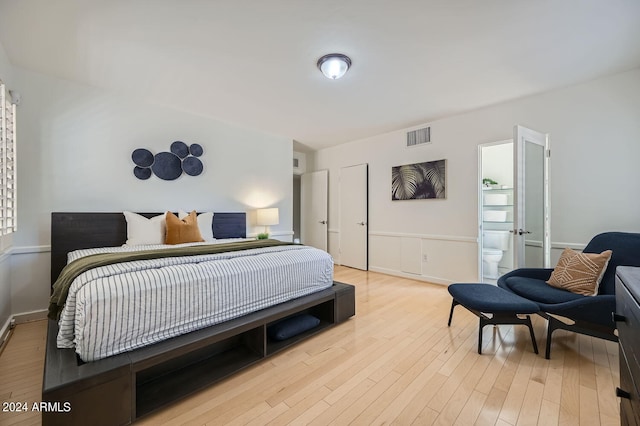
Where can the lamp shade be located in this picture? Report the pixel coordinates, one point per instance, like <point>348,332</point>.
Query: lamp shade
<point>266,217</point>
<point>334,65</point>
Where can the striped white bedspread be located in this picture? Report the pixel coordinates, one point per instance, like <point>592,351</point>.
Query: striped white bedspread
<point>117,308</point>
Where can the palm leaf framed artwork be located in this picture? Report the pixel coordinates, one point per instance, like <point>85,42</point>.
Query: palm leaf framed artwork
<point>420,181</point>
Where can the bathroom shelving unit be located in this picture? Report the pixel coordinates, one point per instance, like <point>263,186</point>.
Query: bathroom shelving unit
<point>497,215</point>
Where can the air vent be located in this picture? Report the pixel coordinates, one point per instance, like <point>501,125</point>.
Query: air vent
<point>295,163</point>
<point>418,137</point>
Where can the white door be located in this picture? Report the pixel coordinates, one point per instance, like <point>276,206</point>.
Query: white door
<point>314,189</point>
<point>531,192</point>
<point>354,228</point>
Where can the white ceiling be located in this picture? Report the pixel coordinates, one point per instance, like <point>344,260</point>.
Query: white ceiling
<point>254,62</point>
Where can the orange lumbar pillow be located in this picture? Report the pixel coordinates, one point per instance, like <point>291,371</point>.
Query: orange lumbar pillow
<point>580,273</point>
<point>182,230</point>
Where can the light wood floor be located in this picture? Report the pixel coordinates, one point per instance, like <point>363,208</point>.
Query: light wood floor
<point>395,362</point>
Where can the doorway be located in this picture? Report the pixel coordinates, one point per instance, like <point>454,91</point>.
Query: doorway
<point>296,208</point>
<point>513,200</point>
<point>314,209</point>
<point>354,216</point>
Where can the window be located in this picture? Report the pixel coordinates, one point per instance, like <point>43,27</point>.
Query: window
<point>7,162</point>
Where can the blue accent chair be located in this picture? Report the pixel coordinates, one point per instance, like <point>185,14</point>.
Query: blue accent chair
<point>592,315</point>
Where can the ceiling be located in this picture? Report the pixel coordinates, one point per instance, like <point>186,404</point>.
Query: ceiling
<point>253,63</point>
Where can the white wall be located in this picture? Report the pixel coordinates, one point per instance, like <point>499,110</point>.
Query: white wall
<point>497,163</point>
<point>594,130</point>
<point>74,154</point>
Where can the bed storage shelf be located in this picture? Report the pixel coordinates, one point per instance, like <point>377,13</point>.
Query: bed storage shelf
<point>163,383</point>
<point>125,387</point>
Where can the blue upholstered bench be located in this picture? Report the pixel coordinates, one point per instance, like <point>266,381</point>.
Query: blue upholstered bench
<point>504,306</point>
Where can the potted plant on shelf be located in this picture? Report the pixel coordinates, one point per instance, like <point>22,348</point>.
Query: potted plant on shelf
<point>489,183</point>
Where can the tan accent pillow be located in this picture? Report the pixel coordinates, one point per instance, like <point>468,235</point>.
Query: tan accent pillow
<point>580,273</point>
<point>182,231</point>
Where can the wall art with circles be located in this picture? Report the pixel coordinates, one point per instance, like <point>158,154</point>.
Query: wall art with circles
<point>181,158</point>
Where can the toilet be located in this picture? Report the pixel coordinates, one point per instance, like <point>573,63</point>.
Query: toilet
<point>494,244</point>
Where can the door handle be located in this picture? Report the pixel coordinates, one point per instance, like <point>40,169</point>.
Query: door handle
<point>618,318</point>
<point>324,222</point>
<point>521,232</point>
<point>622,394</point>
<point>361,223</point>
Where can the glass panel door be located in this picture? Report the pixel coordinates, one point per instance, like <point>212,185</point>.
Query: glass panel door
<point>531,214</point>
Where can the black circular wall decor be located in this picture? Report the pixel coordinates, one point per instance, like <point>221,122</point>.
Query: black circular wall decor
<point>192,166</point>
<point>180,149</point>
<point>168,165</point>
<point>142,173</point>
<point>195,150</point>
<point>142,157</point>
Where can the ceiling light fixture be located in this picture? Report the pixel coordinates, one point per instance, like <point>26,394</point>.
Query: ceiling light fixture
<point>334,65</point>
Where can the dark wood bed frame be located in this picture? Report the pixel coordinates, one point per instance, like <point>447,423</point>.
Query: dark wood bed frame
<point>122,388</point>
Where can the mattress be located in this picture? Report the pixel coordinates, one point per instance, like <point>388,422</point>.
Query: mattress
<point>117,308</point>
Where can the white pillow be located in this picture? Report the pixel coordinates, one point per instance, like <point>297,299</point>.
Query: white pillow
<point>141,230</point>
<point>205,224</point>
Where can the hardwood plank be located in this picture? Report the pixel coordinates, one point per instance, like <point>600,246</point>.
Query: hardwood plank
<point>418,376</point>
<point>416,405</point>
<point>553,381</point>
<point>549,413</point>
<point>515,395</point>
<point>361,408</point>
<point>530,409</point>
<point>587,364</point>
<point>570,392</point>
<point>589,412</point>
<point>471,410</point>
<point>494,368</point>
<point>344,404</point>
<point>456,403</point>
<point>267,416</point>
<point>491,408</point>
<point>296,411</point>
<point>608,403</point>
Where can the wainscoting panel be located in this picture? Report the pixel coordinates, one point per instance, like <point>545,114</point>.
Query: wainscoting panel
<point>384,253</point>
<point>333,242</point>
<point>449,261</point>
<point>448,258</point>
<point>411,255</point>
<point>30,280</point>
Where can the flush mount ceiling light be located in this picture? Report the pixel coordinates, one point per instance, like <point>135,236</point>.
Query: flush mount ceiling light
<point>334,65</point>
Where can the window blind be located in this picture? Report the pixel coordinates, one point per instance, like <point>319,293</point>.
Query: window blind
<point>8,222</point>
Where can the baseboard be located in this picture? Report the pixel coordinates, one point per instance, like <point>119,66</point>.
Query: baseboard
<point>30,249</point>
<point>5,332</point>
<point>425,278</point>
<point>30,316</point>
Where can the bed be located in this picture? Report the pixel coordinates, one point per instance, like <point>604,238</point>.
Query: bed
<point>122,386</point>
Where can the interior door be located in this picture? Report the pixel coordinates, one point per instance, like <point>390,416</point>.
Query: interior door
<point>531,229</point>
<point>354,216</point>
<point>314,190</point>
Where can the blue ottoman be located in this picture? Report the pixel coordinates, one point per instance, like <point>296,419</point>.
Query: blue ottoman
<point>504,306</point>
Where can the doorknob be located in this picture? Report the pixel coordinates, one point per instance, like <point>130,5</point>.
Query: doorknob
<point>360,223</point>
<point>324,222</point>
<point>521,232</point>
